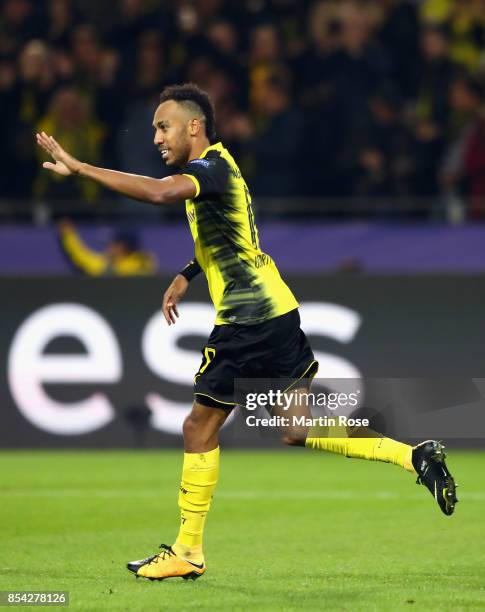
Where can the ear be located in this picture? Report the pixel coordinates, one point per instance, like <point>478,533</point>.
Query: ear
<point>194,127</point>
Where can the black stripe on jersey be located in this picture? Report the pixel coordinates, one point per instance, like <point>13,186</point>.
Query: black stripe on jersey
<point>249,208</point>
<point>244,296</point>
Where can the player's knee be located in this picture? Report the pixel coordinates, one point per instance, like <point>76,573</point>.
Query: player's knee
<point>198,433</point>
<point>294,437</point>
<point>190,429</point>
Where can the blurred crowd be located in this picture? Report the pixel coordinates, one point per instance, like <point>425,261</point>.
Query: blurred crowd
<point>369,99</point>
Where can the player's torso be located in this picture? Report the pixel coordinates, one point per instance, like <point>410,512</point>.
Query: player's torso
<point>244,282</point>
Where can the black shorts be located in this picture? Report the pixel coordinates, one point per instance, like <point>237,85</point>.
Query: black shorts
<point>276,349</point>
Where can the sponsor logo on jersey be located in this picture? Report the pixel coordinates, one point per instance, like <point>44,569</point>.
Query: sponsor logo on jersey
<point>202,162</point>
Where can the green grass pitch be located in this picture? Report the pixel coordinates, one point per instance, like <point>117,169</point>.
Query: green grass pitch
<point>288,530</point>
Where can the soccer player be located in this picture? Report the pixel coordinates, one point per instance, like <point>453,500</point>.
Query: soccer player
<point>257,328</point>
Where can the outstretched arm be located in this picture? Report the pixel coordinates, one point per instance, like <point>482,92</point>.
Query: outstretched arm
<point>169,190</point>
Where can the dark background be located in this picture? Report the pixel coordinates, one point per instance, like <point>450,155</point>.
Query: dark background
<point>412,327</point>
<point>375,104</point>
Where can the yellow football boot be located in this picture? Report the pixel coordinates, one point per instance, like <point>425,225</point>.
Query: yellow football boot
<point>166,565</point>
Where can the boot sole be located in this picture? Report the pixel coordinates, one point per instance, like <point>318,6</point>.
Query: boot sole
<point>449,492</point>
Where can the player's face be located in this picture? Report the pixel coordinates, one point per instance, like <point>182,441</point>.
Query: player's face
<point>172,136</point>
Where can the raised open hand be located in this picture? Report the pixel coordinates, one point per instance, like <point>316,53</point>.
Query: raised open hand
<point>65,164</point>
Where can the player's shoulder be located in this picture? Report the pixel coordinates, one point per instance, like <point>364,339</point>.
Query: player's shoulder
<point>212,163</point>
<point>225,159</point>
<point>215,170</point>
<point>211,171</point>
<point>211,160</point>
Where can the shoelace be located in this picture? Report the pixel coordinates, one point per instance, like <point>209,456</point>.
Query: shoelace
<point>166,552</point>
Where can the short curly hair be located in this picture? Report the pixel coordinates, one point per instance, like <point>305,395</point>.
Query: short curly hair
<point>192,94</point>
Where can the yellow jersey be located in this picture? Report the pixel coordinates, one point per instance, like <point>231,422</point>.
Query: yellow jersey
<point>244,283</point>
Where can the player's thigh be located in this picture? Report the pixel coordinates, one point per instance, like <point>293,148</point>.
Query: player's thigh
<point>214,381</point>
<point>286,357</point>
<point>290,353</point>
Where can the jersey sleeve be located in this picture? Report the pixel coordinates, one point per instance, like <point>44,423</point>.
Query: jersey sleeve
<point>209,175</point>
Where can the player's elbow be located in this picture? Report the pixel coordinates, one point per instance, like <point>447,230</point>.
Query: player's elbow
<point>157,198</point>
<point>165,196</point>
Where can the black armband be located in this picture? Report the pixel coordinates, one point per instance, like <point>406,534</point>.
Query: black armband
<point>191,270</point>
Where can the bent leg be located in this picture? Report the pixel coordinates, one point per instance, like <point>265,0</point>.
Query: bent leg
<point>361,443</point>
<point>354,442</point>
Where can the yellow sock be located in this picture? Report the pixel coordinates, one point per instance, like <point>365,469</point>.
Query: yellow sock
<point>374,448</point>
<point>200,473</point>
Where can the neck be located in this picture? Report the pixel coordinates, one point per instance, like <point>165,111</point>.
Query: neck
<point>198,148</point>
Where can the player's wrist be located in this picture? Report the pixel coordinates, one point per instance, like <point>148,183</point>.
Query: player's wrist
<point>182,278</point>
<point>190,271</point>
<point>79,168</point>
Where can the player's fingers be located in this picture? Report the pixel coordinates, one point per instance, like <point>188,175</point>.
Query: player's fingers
<point>166,297</point>
<point>40,141</point>
<point>47,142</point>
<point>176,310</point>
<point>170,307</point>
<point>49,166</point>
<point>42,146</point>
<point>44,143</point>
<point>167,312</point>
